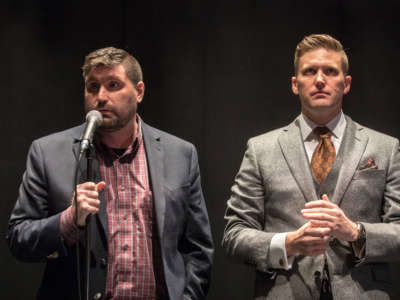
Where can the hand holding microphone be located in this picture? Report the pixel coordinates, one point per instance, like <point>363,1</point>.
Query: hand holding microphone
<point>87,194</point>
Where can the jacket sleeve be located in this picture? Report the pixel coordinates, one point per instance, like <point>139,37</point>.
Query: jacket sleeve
<point>197,244</point>
<point>34,234</point>
<point>382,239</point>
<point>244,237</point>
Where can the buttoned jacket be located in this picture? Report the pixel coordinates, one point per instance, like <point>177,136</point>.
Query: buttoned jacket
<point>274,183</point>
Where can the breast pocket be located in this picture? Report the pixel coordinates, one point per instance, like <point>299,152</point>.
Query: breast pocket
<point>368,186</point>
<point>373,174</point>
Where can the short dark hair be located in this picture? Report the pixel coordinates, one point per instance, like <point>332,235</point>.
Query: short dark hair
<point>111,56</point>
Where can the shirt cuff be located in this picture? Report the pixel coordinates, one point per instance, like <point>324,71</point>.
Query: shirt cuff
<point>68,228</point>
<point>277,258</point>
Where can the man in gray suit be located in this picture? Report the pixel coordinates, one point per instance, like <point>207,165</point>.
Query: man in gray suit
<point>150,230</point>
<point>315,206</point>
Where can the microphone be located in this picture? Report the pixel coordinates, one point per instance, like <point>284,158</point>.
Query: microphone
<point>93,120</point>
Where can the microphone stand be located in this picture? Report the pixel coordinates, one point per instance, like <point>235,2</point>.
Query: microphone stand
<point>90,177</point>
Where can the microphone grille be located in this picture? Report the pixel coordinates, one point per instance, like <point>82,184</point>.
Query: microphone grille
<point>94,115</point>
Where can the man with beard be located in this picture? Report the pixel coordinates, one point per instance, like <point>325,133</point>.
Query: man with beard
<point>150,236</point>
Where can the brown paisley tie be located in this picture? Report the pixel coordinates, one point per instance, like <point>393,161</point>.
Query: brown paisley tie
<point>324,154</point>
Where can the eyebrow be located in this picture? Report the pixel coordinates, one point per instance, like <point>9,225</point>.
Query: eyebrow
<point>314,65</point>
<point>110,77</point>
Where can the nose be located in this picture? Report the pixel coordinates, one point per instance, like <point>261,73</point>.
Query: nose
<point>320,80</point>
<point>102,95</point>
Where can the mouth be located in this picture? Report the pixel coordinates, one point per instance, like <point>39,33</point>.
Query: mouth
<point>320,93</point>
<point>105,112</point>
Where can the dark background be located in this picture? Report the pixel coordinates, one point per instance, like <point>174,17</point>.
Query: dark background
<point>216,73</point>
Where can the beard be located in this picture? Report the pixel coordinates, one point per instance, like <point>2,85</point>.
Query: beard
<point>115,120</point>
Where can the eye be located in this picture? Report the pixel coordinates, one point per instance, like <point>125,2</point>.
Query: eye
<point>331,71</point>
<point>114,85</point>
<point>92,87</point>
<point>308,71</point>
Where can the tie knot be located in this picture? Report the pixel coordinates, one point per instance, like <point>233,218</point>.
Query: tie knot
<point>322,132</point>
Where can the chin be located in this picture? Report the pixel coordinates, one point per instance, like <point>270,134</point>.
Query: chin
<point>323,104</point>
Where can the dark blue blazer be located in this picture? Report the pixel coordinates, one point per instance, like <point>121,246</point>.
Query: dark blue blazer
<point>181,215</point>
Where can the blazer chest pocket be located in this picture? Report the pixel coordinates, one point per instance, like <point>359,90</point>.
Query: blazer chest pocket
<point>373,174</point>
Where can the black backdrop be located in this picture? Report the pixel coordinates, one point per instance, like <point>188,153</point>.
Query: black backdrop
<point>217,72</point>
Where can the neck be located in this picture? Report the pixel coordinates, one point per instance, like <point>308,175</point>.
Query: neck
<point>321,118</point>
<point>122,138</point>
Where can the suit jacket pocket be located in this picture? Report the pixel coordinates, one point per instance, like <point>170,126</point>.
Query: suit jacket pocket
<point>368,187</point>
<point>371,174</point>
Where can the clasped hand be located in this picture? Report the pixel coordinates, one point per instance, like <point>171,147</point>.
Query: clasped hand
<point>326,220</point>
<point>87,200</point>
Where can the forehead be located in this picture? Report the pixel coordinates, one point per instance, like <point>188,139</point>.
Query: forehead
<point>102,72</point>
<point>320,56</point>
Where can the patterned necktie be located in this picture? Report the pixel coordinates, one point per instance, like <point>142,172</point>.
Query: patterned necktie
<point>324,154</point>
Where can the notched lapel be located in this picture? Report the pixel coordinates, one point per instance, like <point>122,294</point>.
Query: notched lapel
<point>354,144</point>
<point>155,162</point>
<point>292,147</point>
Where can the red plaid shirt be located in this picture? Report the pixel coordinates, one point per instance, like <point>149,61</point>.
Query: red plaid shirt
<point>134,257</point>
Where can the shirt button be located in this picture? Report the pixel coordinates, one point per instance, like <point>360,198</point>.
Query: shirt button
<point>97,296</point>
<point>125,247</point>
<point>122,188</point>
<point>125,217</point>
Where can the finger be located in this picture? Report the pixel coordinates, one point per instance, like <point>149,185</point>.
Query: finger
<point>319,216</point>
<point>318,232</point>
<point>84,202</point>
<point>319,223</point>
<point>100,186</point>
<point>87,186</point>
<point>320,203</point>
<point>329,211</point>
<point>87,209</point>
<point>82,194</point>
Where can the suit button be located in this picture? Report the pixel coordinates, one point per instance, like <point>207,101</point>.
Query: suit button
<point>103,262</point>
<point>97,296</point>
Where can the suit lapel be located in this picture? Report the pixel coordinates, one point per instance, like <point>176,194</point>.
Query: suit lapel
<point>155,162</point>
<point>292,147</point>
<point>82,175</point>
<point>352,148</point>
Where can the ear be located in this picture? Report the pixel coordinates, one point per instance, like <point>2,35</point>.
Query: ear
<point>347,84</point>
<point>140,90</point>
<point>294,85</point>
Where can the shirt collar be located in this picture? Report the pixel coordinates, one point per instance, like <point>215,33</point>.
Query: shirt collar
<point>337,126</point>
<point>132,148</point>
